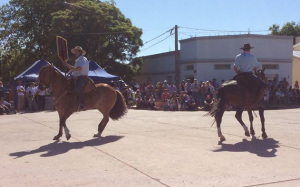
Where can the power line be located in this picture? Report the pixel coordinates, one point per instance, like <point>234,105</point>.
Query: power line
<point>157,43</point>
<point>168,31</point>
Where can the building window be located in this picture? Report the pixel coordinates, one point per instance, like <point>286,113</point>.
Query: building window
<point>190,67</point>
<point>222,66</point>
<point>271,66</point>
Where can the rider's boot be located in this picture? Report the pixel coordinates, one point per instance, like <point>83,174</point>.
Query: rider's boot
<point>81,106</point>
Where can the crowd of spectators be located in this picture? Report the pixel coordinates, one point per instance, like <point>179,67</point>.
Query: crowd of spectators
<point>282,93</point>
<point>30,98</point>
<point>163,95</point>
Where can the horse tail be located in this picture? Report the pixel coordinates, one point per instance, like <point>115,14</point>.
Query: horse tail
<point>218,105</point>
<point>120,107</point>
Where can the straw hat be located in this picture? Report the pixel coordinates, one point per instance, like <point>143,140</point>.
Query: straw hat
<point>78,48</point>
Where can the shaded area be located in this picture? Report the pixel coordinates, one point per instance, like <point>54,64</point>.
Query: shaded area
<point>57,148</point>
<point>262,148</point>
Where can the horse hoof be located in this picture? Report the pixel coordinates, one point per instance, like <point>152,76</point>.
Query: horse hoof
<point>97,135</point>
<point>264,135</point>
<point>252,133</point>
<point>222,139</point>
<point>247,134</point>
<point>68,136</point>
<point>56,138</point>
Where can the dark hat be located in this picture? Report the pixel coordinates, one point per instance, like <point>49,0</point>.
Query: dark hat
<point>246,47</point>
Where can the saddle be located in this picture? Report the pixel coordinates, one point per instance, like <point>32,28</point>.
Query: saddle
<point>71,85</point>
<point>249,81</point>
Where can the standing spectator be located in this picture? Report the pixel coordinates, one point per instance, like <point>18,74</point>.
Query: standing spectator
<point>195,91</point>
<point>159,89</point>
<point>172,88</point>
<point>115,86</point>
<point>30,95</point>
<point>182,86</point>
<point>202,93</point>
<point>21,96</point>
<point>41,99</point>
<point>215,84</point>
<point>285,84</point>
<point>209,90</point>
<point>296,85</point>
<point>135,85</point>
<point>188,86</point>
<point>165,84</point>
<point>150,89</point>
<point>2,90</point>
<point>143,89</point>
<point>280,97</point>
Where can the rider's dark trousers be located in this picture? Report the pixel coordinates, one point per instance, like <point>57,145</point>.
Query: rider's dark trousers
<point>80,84</point>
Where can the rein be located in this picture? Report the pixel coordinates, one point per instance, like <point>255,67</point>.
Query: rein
<point>59,98</point>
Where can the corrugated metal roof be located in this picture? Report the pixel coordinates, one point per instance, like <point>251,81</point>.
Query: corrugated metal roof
<point>296,54</point>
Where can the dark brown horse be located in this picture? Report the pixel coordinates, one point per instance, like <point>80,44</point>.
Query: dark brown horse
<point>103,97</point>
<point>233,93</point>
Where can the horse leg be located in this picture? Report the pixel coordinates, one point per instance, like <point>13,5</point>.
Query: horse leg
<point>60,133</point>
<point>102,126</point>
<point>262,120</point>
<point>218,118</point>
<point>238,116</point>
<point>252,132</point>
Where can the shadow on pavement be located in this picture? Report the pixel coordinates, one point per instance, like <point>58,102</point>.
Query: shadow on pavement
<point>57,148</point>
<point>262,148</point>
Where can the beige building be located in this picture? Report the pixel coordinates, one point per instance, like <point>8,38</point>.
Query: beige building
<point>296,63</point>
<point>205,58</point>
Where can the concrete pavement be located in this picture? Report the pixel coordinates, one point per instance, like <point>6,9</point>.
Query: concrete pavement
<point>149,148</point>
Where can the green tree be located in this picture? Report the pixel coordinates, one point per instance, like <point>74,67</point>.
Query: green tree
<point>288,29</point>
<point>28,30</point>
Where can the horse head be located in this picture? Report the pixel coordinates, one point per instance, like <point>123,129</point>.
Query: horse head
<point>261,73</point>
<point>46,76</point>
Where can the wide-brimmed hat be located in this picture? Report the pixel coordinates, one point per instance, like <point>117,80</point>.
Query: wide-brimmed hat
<point>78,48</point>
<point>246,47</point>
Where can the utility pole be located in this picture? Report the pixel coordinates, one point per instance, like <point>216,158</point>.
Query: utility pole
<point>177,74</point>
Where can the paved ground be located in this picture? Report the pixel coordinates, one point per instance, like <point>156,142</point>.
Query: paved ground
<point>149,148</point>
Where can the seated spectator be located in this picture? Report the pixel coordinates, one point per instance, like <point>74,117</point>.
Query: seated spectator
<point>208,102</point>
<point>157,95</point>
<point>191,105</point>
<point>138,102</point>
<point>151,103</point>
<point>279,96</point>
<point>144,103</point>
<point>173,105</point>
<point>165,95</point>
<point>5,106</point>
<point>183,101</point>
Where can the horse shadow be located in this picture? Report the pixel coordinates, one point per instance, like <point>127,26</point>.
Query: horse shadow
<point>57,147</point>
<point>262,148</point>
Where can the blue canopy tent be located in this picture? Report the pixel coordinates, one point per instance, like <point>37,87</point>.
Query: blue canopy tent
<point>99,75</point>
<point>31,74</point>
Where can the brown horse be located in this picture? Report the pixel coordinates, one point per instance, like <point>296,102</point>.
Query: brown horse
<point>233,93</point>
<point>103,97</point>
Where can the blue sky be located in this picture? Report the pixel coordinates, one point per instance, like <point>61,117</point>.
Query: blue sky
<point>203,18</point>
